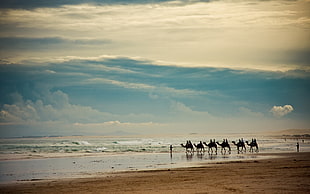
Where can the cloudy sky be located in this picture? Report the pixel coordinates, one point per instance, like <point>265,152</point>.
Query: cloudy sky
<point>153,66</point>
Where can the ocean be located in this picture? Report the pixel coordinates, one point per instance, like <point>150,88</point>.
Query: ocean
<point>28,159</point>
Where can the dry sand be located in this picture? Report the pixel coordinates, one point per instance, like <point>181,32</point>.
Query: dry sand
<point>289,173</point>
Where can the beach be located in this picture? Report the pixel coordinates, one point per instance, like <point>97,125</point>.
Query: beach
<point>154,96</point>
<point>284,173</point>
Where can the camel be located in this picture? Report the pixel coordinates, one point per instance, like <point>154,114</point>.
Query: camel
<point>252,145</point>
<point>188,146</point>
<point>211,145</point>
<point>224,145</point>
<point>239,145</point>
<point>200,147</point>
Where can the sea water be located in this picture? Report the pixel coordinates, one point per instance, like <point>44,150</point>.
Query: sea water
<point>26,159</point>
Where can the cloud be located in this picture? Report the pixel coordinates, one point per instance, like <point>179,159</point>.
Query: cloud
<point>114,123</point>
<point>188,32</point>
<point>105,93</point>
<point>186,113</point>
<point>32,4</point>
<point>54,106</point>
<point>155,90</point>
<point>280,111</point>
<point>120,83</point>
<point>47,43</point>
<point>104,80</point>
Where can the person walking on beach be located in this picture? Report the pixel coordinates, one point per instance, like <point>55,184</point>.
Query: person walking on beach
<point>297,146</point>
<point>170,147</point>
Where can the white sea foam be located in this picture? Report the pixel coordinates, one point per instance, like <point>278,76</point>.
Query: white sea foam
<point>81,142</point>
<point>100,149</point>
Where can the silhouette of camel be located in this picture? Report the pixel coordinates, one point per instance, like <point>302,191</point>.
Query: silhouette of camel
<point>239,145</point>
<point>224,145</point>
<point>200,147</point>
<point>211,145</point>
<point>252,145</point>
<point>188,146</point>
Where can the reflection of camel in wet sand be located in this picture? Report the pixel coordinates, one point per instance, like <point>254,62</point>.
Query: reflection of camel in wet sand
<point>252,145</point>
<point>200,147</point>
<point>224,145</point>
<point>189,146</point>
<point>239,145</point>
<point>189,155</point>
<point>211,145</point>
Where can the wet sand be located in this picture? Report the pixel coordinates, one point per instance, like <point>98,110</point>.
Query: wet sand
<point>288,173</point>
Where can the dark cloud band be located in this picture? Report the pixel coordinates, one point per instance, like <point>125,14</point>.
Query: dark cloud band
<point>31,4</point>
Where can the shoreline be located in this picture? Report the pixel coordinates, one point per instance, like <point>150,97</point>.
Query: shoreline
<point>14,171</point>
<point>284,172</point>
<point>17,157</point>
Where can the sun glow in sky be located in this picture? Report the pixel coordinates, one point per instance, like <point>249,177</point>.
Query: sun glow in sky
<point>153,66</point>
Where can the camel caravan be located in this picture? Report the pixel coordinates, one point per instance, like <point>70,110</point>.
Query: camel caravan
<point>212,146</point>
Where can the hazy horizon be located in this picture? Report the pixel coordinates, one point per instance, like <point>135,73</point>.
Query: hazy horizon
<point>153,67</point>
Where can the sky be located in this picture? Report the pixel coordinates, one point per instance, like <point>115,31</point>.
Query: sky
<point>94,67</point>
